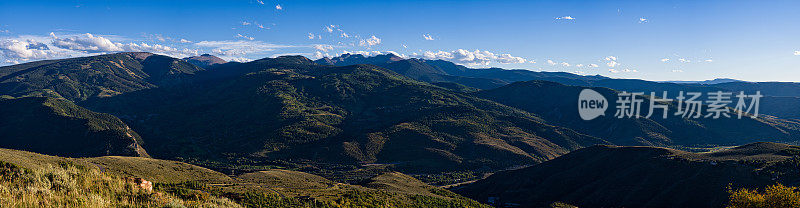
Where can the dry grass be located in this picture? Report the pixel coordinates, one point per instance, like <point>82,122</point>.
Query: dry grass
<point>71,185</point>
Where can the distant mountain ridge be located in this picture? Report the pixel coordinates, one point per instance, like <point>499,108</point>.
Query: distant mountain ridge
<point>205,60</point>
<point>777,94</point>
<point>445,71</point>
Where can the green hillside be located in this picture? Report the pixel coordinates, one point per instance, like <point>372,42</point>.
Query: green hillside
<point>558,104</point>
<point>289,108</point>
<point>82,78</point>
<point>59,127</point>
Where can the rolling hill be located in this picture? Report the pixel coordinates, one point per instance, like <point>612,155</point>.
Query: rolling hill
<point>558,104</point>
<point>59,127</point>
<point>78,79</point>
<point>613,176</point>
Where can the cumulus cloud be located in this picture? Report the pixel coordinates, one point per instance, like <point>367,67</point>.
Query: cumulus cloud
<point>245,37</point>
<point>370,41</point>
<point>508,59</point>
<point>551,62</point>
<point>30,48</point>
<point>278,7</point>
<point>86,42</point>
<point>664,60</point>
<point>185,41</point>
<point>324,48</point>
<point>564,64</point>
<point>23,49</point>
<point>611,61</point>
<point>642,20</point>
<point>593,66</point>
<point>472,58</point>
<point>565,18</point>
<point>797,53</point>
<point>427,36</point>
<point>239,47</point>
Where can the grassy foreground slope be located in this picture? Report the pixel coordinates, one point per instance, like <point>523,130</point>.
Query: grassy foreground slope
<point>34,180</point>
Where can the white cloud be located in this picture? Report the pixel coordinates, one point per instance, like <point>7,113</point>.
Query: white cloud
<point>245,23</point>
<point>260,2</point>
<point>611,61</point>
<point>370,41</point>
<point>623,71</point>
<point>239,59</point>
<point>311,36</point>
<point>245,37</point>
<point>472,58</point>
<point>565,18</point>
<point>564,64</point>
<point>508,59</point>
<point>683,60</point>
<point>319,55</point>
<point>664,60</point>
<point>21,49</point>
<point>239,47</point>
<point>365,53</point>
<point>797,53</point>
<point>578,65</point>
<point>404,45</point>
<point>551,62</point>
<point>593,65</point>
<point>324,48</point>
<point>160,49</point>
<point>86,42</point>
<point>262,26</point>
<point>642,20</point>
<point>185,41</point>
<point>709,60</point>
<point>427,36</point>
<point>278,7</point>
<point>330,28</point>
<point>677,70</point>
<point>344,35</point>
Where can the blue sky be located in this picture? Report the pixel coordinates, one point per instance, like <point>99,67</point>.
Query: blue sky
<point>653,40</point>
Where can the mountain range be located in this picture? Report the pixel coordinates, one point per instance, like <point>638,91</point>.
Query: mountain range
<point>372,120</point>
